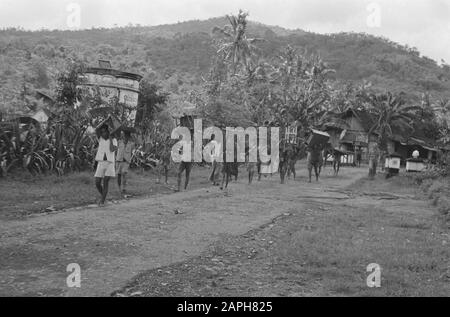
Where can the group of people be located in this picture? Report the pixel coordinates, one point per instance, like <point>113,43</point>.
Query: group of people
<point>113,160</point>
<point>222,172</point>
<point>114,157</point>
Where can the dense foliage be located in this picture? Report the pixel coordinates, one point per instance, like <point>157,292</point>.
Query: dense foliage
<point>236,72</point>
<point>178,57</point>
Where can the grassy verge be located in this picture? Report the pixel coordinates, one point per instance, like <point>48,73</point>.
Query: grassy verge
<point>323,250</point>
<point>438,191</point>
<point>23,194</point>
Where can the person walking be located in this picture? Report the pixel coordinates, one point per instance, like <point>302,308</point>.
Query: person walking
<point>314,161</point>
<point>374,157</point>
<point>216,153</point>
<point>337,158</point>
<point>125,150</point>
<point>105,162</point>
<point>164,161</point>
<point>359,157</point>
<point>185,165</point>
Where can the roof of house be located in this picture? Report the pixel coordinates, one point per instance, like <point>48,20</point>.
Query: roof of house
<point>114,72</point>
<point>418,137</point>
<point>44,95</point>
<point>105,68</point>
<point>352,137</point>
<point>367,119</point>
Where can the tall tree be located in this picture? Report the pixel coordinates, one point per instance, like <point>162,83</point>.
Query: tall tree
<point>442,111</point>
<point>150,103</point>
<point>233,45</point>
<point>391,113</point>
<point>299,86</point>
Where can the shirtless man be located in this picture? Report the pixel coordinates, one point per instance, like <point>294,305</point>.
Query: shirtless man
<point>185,166</point>
<point>314,161</point>
<point>336,162</point>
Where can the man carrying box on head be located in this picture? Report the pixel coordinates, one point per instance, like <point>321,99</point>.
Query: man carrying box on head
<point>314,160</point>
<point>105,161</point>
<point>316,143</point>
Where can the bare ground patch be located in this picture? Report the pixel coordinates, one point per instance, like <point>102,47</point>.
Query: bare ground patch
<point>321,250</point>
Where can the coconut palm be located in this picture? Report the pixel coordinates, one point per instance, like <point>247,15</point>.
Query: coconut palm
<point>442,111</point>
<point>442,108</point>
<point>234,45</point>
<point>391,113</point>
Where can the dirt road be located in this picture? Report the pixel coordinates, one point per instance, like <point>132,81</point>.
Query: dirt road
<point>322,247</point>
<point>115,243</point>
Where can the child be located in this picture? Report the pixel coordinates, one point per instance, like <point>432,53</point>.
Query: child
<point>105,162</point>
<point>164,161</point>
<point>125,151</point>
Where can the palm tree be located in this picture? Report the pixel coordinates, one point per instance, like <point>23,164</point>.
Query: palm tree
<point>391,113</point>
<point>234,45</point>
<point>442,108</point>
<point>442,111</point>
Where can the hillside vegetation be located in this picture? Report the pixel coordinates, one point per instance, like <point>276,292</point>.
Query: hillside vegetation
<point>179,56</point>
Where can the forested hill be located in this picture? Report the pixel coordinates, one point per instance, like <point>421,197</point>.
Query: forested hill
<point>178,55</point>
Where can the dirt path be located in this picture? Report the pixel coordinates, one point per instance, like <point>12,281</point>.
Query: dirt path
<point>115,243</point>
<point>322,247</point>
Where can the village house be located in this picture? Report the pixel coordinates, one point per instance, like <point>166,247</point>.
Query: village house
<point>354,136</point>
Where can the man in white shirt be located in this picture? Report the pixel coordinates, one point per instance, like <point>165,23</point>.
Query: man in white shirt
<point>416,154</point>
<point>105,162</point>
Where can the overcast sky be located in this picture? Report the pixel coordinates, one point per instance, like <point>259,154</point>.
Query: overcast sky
<point>424,24</point>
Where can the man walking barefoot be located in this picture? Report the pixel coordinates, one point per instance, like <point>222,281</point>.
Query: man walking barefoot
<point>314,161</point>
<point>105,162</point>
<point>164,161</point>
<point>184,167</point>
<point>374,157</point>
<point>337,157</point>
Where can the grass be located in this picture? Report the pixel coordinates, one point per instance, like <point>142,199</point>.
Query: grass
<point>402,184</point>
<point>323,250</point>
<point>23,194</point>
<point>322,254</point>
<point>438,191</point>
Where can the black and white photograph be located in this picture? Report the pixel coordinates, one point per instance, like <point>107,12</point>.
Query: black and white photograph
<point>219,156</point>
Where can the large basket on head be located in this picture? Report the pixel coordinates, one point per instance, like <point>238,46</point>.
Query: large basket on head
<point>113,124</point>
<point>318,138</point>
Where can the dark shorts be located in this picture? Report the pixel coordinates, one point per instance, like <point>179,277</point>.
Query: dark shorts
<point>230,168</point>
<point>185,166</point>
<point>314,163</point>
